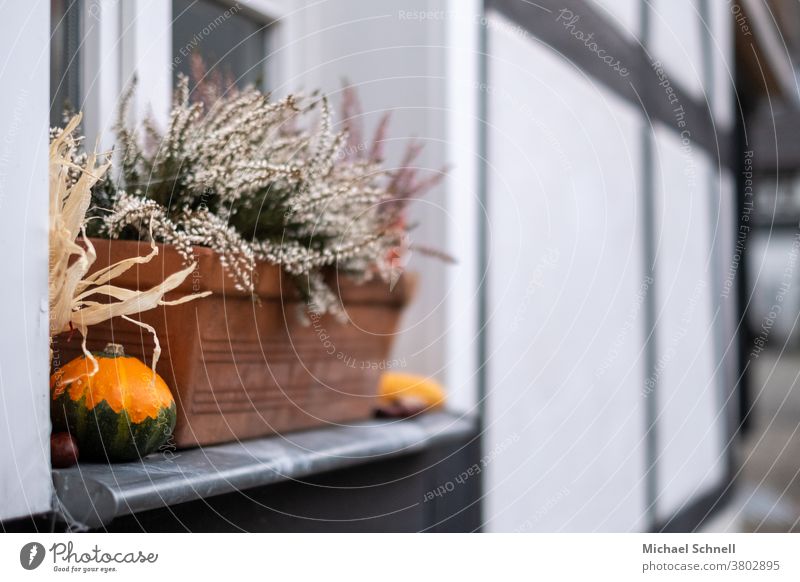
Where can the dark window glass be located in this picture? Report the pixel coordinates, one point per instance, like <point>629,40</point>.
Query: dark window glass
<point>227,39</point>
<point>65,38</point>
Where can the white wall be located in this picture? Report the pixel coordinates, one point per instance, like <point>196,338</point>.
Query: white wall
<point>676,28</point>
<point>689,420</point>
<point>25,485</point>
<point>695,213</point>
<point>565,406</point>
<point>463,204</point>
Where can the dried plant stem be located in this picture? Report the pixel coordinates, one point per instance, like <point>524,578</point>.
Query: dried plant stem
<point>77,299</point>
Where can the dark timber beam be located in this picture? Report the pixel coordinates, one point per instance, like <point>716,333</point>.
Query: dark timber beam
<point>646,85</point>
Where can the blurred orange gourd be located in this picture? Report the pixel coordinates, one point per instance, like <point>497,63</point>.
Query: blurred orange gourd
<point>411,389</point>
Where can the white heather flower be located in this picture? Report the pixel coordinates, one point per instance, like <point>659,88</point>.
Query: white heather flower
<point>255,180</point>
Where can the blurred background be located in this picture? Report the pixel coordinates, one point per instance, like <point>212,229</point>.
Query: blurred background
<point>623,200</point>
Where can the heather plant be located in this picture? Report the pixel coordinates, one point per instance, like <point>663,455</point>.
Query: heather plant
<point>254,180</point>
<point>403,185</point>
<point>79,299</point>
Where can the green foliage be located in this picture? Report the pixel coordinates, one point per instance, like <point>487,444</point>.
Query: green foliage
<point>254,180</point>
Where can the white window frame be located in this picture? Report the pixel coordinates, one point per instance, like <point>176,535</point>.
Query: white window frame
<point>463,203</point>
<point>134,37</point>
<point>25,484</point>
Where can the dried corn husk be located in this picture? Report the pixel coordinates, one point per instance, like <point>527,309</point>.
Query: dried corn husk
<point>74,295</point>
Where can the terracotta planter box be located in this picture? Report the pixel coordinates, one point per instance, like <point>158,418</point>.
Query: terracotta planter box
<point>241,368</point>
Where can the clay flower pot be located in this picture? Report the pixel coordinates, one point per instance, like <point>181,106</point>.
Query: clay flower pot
<point>242,368</point>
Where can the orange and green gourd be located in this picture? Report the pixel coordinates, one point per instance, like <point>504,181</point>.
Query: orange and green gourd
<point>412,389</point>
<point>121,413</point>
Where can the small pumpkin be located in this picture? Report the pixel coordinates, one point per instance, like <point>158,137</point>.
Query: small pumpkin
<point>410,390</point>
<point>121,413</point>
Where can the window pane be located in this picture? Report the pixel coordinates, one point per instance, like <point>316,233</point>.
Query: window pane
<point>228,40</point>
<point>65,38</point>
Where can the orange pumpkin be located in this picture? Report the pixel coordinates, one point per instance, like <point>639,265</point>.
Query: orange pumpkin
<point>122,412</point>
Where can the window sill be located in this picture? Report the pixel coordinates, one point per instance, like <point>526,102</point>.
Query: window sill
<point>91,495</point>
